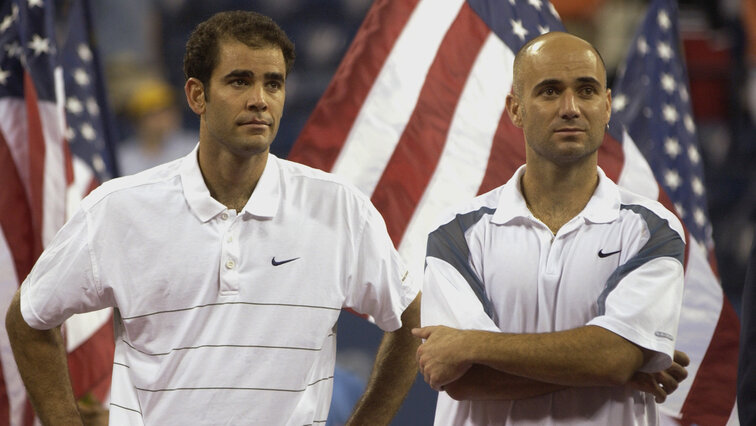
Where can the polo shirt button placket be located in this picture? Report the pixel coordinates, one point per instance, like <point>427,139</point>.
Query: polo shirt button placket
<point>229,276</point>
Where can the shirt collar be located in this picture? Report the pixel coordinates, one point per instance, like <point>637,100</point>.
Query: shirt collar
<point>603,206</point>
<point>511,202</point>
<point>265,198</point>
<point>262,203</point>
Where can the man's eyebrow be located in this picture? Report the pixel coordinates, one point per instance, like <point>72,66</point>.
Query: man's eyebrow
<point>240,73</point>
<point>590,80</point>
<point>556,82</point>
<point>249,74</point>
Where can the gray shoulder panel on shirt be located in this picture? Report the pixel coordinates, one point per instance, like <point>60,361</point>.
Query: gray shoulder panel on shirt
<point>448,243</point>
<point>663,242</point>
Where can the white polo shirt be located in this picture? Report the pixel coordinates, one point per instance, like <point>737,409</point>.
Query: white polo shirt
<point>618,264</point>
<point>222,318</point>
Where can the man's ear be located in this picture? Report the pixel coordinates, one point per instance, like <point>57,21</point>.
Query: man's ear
<point>195,95</point>
<point>514,110</point>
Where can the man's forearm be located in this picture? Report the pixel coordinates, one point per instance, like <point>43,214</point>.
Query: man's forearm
<point>484,383</point>
<point>585,356</point>
<point>393,373</point>
<point>41,359</point>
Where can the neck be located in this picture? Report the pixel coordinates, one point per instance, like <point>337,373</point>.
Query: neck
<point>229,178</point>
<point>556,193</point>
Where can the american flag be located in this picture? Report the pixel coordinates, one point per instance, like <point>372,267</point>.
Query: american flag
<point>54,148</point>
<point>652,100</point>
<point>415,118</point>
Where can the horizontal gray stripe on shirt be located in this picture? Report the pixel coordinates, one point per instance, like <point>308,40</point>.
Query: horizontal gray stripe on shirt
<point>231,303</point>
<point>188,348</point>
<point>125,408</point>
<point>234,388</point>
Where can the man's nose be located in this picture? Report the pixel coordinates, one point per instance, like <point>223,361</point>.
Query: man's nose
<point>569,106</point>
<point>256,98</point>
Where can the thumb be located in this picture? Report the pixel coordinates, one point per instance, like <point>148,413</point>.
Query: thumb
<point>422,333</point>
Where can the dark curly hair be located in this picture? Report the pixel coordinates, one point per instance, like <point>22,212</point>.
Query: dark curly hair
<point>251,28</point>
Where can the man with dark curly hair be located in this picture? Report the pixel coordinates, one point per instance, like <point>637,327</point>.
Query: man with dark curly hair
<point>227,268</point>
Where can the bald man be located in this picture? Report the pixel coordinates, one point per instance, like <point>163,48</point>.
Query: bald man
<point>555,298</point>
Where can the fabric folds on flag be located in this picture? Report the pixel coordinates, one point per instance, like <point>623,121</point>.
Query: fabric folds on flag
<point>651,99</point>
<point>54,148</point>
<point>415,118</point>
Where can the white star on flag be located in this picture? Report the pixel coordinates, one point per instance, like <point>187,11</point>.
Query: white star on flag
<point>697,186</point>
<point>663,20</point>
<point>7,22</point>
<point>690,126</point>
<point>553,10</point>
<point>535,3</point>
<point>699,217</point>
<point>70,133</point>
<point>642,46</point>
<point>672,147</point>
<point>74,106</point>
<point>672,179</point>
<point>680,210</point>
<point>88,132</point>
<point>93,107</point>
<point>98,163</point>
<point>664,51</point>
<point>693,155</point>
<point>14,50</point>
<point>619,102</point>
<point>668,83</point>
<point>85,54</point>
<point>670,113</point>
<point>81,77</point>
<point>518,29</point>
<point>4,76</point>
<point>684,94</point>
<point>39,45</point>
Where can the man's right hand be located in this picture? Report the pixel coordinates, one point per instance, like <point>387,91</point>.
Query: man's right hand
<point>663,383</point>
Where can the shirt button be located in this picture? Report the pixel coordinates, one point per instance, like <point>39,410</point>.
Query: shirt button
<point>229,239</point>
<point>224,216</point>
<point>230,264</point>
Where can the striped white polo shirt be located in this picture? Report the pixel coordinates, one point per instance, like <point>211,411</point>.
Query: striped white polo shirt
<point>221,317</point>
<point>492,265</point>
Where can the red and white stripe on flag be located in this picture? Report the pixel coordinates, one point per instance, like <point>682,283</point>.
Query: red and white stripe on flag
<point>40,183</point>
<point>415,118</point>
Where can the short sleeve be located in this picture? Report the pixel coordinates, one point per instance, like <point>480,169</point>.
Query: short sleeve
<point>380,285</point>
<point>62,282</point>
<point>644,308</point>
<point>448,300</point>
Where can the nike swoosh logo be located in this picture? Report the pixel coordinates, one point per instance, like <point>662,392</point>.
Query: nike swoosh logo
<point>602,254</point>
<point>276,263</point>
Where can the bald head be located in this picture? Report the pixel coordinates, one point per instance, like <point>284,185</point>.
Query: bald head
<point>542,45</point>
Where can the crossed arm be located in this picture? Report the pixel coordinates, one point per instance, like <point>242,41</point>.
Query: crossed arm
<point>472,364</point>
